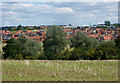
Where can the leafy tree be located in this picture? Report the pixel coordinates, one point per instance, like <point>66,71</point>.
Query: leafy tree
<point>23,48</point>
<point>83,46</point>
<point>90,54</point>
<point>65,55</point>
<point>41,56</point>
<point>55,42</point>
<point>12,49</point>
<point>117,42</point>
<point>23,39</point>
<point>76,54</point>
<point>0,48</point>
<point>81,40</point>
<point>30,48</point>
<point>105,50</point>
<point>70,25</point>
<point>107,23</point>
<point>19,27</point>
<point>19,57</point>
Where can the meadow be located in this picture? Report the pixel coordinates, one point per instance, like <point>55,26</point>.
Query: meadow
<point>58,70</point>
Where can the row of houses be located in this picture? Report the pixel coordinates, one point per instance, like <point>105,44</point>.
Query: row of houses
<point>39,35</point>
<point>98,33</point>
<point>103,34</point>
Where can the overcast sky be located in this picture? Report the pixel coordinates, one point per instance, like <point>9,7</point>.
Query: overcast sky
<point>42,13</point>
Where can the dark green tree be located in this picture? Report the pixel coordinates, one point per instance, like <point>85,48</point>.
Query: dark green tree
<point>70,25</point>
<point>117,42</point>
<point>55,42</point>
<point>82,45</point>
<point>105,50</point>
<point>76,54</point>
<point>66,55</point>
<point>12,49</point>
<point>81,40</point>
<point>23,48</point>
<point>19,27</point>
<point>19,57</point>
<point>0,49</point>
<point>30,48</point>
<point>107,23</point>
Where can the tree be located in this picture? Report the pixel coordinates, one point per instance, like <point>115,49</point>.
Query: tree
<point>70,25</point>
<point>117,42</point>
<point>78,27</point>
<point>90,55</point>
<point>29,47</point>
<point>23,39</point>
<point>19,57</point>
<point>107,23</point>
<point>55,42</point>
<point>105,50</point>
<point>12,49</point>
<point>19,27</point>
<point>82,45</point>
<point>41,56</point>
<point>0,49</point>
<point>23,48</point>
<point>66,55</point>
<point>76,54</point>
<point>81,40</point>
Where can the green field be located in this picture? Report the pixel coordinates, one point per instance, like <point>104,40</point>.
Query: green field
<point>41,70</point>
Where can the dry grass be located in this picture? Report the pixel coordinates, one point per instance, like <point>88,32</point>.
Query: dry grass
<point>44,70</point>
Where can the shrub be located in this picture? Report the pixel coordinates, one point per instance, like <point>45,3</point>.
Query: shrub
<point>19,57</point>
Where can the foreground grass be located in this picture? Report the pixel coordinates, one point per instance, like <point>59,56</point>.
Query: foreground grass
<point>38,70</point>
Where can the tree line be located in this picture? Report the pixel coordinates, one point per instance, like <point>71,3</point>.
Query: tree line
<point>57,47</point>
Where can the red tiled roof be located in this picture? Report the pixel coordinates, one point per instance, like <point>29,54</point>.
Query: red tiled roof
<point>66,30</point>
<point>93,35</point>
<point>34,37</point>
<point>106,37</point>
<point>29,31</point>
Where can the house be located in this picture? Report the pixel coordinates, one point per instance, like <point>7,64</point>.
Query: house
<point>107,37</point>
<point>41,32</point>
<point>93,35</point>
<point>69,32</point>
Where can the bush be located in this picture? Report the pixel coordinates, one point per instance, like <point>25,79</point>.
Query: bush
<point>29,57</point>
<point>66,55</point>
<point>41,56</point>
<point>19,57</point>
<point>76,54</point>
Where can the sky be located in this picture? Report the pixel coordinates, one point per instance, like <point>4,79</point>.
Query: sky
<point>58,13</point>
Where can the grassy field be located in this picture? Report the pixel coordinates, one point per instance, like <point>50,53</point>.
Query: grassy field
<point>41,70</point>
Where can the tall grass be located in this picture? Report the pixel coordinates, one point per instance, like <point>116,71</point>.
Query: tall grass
<point>50,70</point>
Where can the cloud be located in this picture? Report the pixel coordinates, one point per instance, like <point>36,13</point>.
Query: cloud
<point>93,3</point>
<point>64,10</point>
<point>61,0</point>
<point>9,13</point>
<point>58,13</point>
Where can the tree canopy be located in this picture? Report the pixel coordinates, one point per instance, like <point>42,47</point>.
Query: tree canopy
<point>12,48</point>
<point>23,47</point>
<point>81,40</point>
<point>55,42</point>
